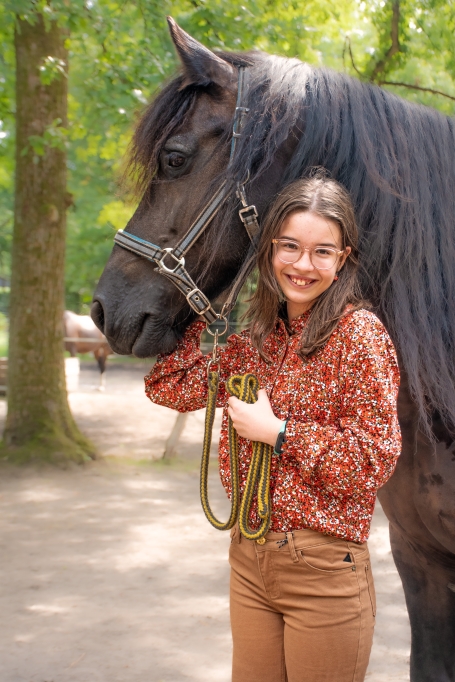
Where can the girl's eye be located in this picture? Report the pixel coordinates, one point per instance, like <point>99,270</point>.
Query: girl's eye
<point>289,246</point>
<point>324,252</point>
<point>175,160</point>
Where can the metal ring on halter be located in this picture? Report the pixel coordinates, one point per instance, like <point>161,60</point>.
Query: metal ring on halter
<point>209,366</point>
<point>180,261</point>
<point>217,331</point>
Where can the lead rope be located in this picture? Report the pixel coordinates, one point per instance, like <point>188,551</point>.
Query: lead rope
<point>213,383</point>
<point>245,387</point>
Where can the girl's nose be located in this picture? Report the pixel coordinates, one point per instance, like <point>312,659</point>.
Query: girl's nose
<point>304,261</point>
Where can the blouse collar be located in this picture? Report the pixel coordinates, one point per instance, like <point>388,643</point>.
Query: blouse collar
<point>296,325</point>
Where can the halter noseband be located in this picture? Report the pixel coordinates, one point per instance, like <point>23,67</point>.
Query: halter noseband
<point>175,268</point>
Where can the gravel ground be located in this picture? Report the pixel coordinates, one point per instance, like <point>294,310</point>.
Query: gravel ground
<point>110,572</point>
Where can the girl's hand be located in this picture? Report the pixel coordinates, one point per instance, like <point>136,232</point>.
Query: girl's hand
<point>257,421</point>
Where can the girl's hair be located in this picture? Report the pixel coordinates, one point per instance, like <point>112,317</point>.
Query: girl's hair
<point>326,198</point>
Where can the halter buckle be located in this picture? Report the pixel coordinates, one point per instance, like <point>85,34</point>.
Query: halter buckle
<point>248,214</point>
<point>169,252</point>
<point>198,297</point>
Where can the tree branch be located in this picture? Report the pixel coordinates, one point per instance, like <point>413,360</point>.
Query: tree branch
<point>416,87</point>
<point>348,47</point>
<point>394,48</point>
<point>347,43</point>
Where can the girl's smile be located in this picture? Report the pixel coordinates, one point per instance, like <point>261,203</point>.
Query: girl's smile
<point>301,282</point>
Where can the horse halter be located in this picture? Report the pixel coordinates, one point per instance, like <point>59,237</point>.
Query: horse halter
<point>176,271</point>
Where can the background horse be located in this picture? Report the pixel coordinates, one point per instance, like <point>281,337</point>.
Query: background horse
<point>85,337</point>
<point>398,161</point>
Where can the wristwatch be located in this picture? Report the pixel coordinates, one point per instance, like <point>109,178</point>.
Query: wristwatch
<point>280,439</point>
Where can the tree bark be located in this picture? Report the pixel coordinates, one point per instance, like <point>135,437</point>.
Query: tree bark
<point>39,423</point>
<point>395,46</point>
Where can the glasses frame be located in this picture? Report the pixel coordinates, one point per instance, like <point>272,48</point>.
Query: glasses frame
<point>275,242</point>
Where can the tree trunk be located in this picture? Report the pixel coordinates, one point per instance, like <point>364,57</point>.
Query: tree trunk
<point>39,425</point>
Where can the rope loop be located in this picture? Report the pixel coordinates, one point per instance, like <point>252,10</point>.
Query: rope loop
<point>244,387</point>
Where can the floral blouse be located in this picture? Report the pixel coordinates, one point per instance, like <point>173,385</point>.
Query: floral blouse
<point>342,434</point>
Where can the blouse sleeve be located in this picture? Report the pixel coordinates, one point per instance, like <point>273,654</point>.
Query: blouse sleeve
<point>179,379</point>
<point>360,450</point>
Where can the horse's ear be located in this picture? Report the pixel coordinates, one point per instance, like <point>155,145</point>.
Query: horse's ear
<point>200,65</point>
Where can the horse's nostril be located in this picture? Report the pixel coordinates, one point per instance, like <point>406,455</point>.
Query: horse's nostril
<point>97,315</point>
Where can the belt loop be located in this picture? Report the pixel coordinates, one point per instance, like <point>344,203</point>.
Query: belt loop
<point>290,539</point>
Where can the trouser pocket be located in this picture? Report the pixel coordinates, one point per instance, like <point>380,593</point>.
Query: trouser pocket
<point>371,590</point>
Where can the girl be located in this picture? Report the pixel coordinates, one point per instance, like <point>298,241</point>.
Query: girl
<point>302,598</point>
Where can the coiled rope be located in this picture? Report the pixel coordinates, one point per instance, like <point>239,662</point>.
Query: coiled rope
<point>245,387</point>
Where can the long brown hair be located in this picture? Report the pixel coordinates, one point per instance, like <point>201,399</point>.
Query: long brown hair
<point>325,197</point>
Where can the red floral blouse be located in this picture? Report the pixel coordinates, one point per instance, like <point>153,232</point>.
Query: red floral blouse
<point>342,435</point>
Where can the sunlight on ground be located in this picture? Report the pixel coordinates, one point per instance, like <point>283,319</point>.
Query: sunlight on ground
<point>113,573</point>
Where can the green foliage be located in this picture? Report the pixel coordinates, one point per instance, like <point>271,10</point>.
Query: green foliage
<point>120,53</point>
<point>424,56</point>
<point>313,31</point>
<point>50,69</point>
<point>3,335</point>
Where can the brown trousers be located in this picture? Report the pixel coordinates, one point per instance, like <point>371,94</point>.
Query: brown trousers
<point>302,608</point>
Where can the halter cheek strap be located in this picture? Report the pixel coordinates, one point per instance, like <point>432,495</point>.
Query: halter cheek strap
<point>170,262</point>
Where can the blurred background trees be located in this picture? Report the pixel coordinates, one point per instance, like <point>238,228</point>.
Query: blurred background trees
<point>120,53</point>
<point>110,58</point>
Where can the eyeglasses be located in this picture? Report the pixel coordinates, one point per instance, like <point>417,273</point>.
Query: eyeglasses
<point>321,257</point>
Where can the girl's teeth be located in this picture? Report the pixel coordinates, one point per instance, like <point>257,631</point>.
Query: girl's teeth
<point>300,281</point>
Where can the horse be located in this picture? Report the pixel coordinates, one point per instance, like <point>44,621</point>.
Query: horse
<point>83,336</point>
<point>397,159</point>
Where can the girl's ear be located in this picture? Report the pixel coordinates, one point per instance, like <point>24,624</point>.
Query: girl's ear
<point>343,258</point>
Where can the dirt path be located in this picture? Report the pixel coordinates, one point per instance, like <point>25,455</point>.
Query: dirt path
<point>111,573</point>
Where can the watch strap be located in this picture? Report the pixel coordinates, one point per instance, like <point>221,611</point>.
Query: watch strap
<point>281,438</point>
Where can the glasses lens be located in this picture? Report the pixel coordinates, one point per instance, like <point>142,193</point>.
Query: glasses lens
<point>288,252</point>
<point>323,258</point>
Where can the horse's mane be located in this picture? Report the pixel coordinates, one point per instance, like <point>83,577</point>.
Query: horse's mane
<point>397,159</point>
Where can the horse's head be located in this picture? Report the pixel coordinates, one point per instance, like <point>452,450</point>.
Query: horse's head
<point>180,152</point>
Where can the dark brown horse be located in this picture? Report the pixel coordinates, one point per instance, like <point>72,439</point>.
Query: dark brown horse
<point>83,336</point>
<point>398,162</point>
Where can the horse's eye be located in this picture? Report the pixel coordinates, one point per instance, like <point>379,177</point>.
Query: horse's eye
<point>175,160</point>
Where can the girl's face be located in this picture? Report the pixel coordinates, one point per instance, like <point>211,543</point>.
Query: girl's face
<point>300,282</point>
